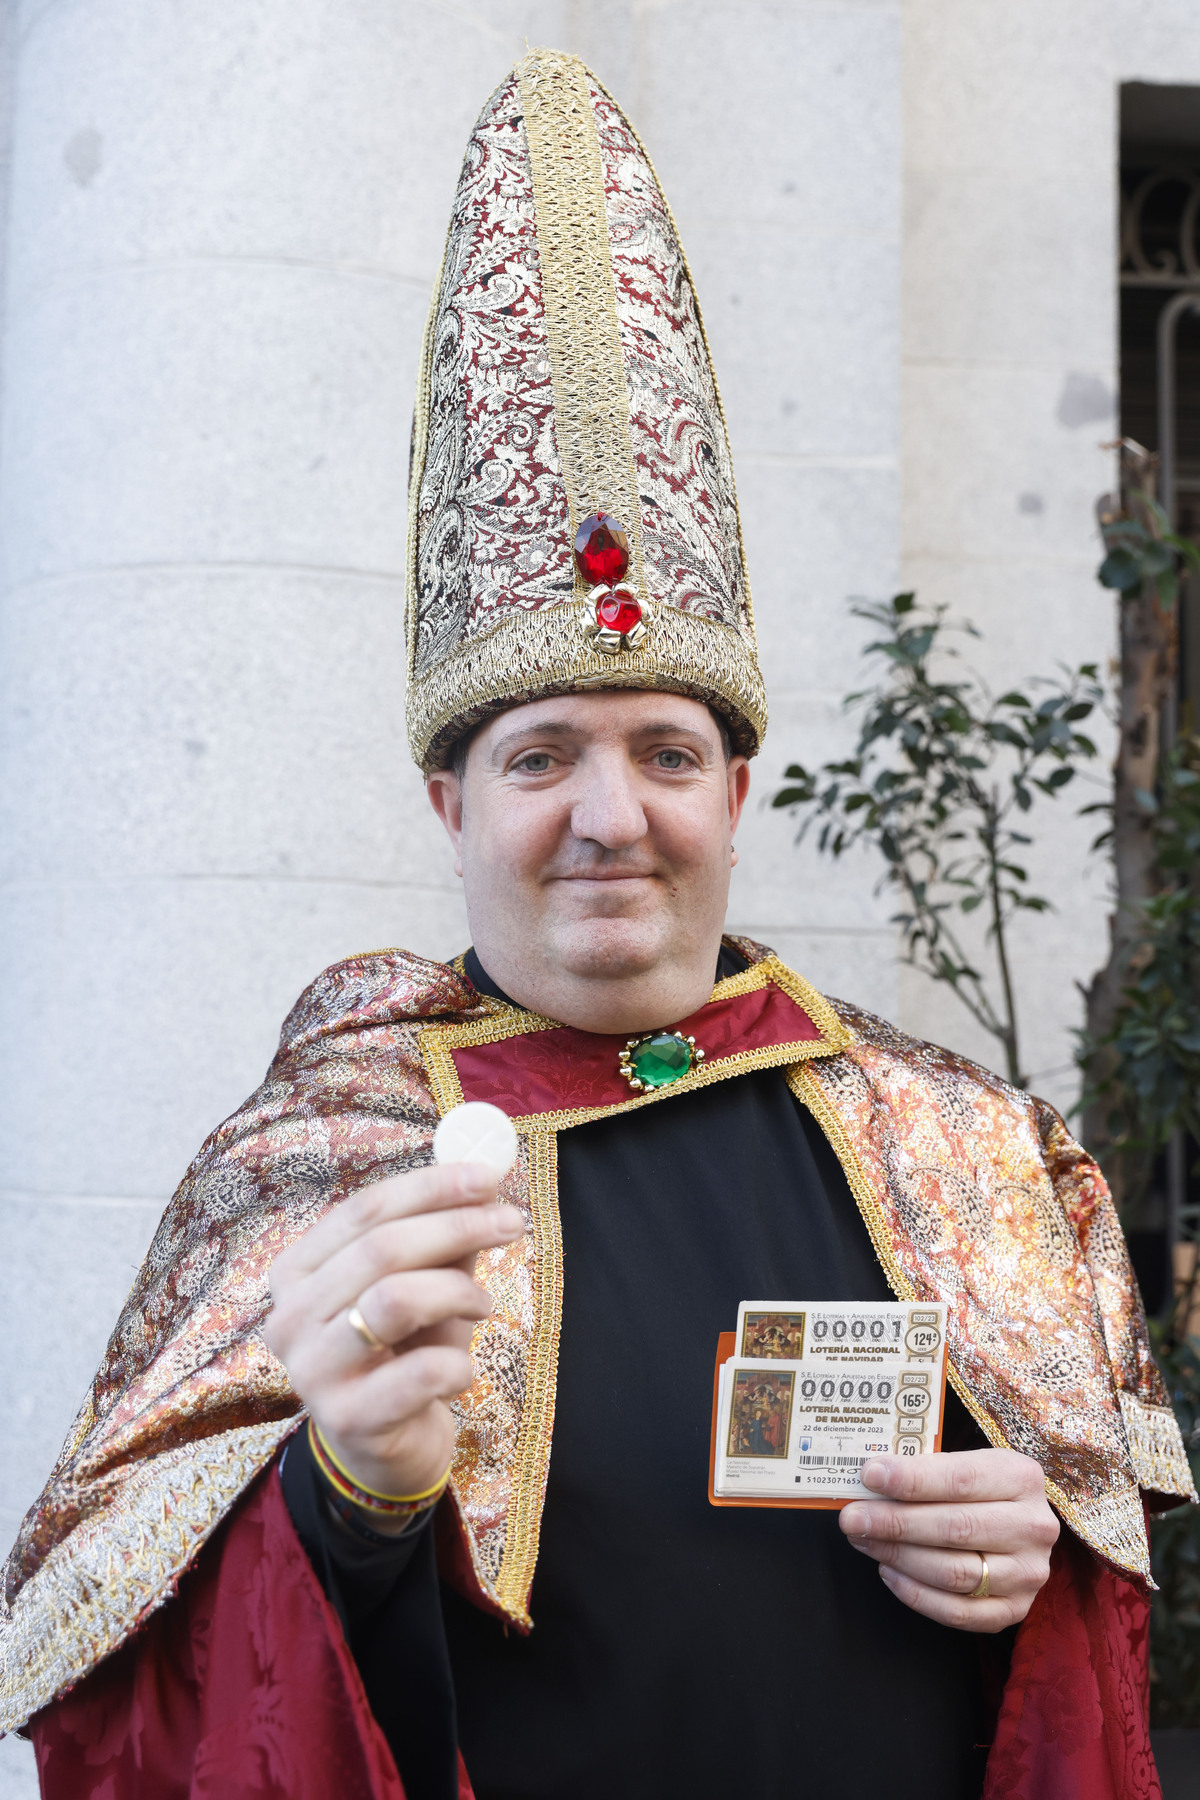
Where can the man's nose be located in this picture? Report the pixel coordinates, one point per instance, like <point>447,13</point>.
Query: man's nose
<point>607,809</point>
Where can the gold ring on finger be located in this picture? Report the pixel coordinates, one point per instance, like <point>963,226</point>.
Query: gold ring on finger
<point>984,1588</point>
<point>355,1319</point>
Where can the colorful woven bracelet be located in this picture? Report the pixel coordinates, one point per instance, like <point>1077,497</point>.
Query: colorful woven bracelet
<point>391,1506</point>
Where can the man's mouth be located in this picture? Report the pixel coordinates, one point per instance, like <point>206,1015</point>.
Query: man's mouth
<point>607,875</point>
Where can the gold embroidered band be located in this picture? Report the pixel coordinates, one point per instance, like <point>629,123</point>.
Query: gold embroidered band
<point>543,653</point>
<point>587,371</point>
<point>532,1461</point>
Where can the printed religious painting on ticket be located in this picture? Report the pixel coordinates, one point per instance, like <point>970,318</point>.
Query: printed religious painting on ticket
<point>760,1413</point>
<point>773,1334</point>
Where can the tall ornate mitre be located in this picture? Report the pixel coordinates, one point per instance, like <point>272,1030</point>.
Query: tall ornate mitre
<point>573,521</point>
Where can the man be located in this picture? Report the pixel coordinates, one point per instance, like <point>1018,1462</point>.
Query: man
<point>491,1535</point>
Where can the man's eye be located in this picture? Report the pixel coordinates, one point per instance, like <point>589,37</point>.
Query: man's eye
<point>671,759</point>
<point>536,763</point>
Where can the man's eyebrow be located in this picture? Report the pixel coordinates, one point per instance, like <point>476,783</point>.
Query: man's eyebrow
<point>552,728</point>
<point>563,728</point>
<point>672,728</point>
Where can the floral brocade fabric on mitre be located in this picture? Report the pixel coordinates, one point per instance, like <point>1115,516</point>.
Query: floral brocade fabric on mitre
<point>493,519</point>
<point>690,533</point>
<point>494,528</point>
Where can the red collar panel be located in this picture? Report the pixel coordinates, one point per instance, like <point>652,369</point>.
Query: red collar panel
<point>535,1069</point>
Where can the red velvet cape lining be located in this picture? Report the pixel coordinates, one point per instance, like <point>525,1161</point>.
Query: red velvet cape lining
<point>243,1688</point>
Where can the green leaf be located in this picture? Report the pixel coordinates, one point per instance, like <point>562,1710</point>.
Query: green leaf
<point>1157,557</point>
<point>1122,570</point>
<point>915,645</point>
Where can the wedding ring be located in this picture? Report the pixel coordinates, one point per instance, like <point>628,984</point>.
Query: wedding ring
<point>355,1319</point>
<point>983,1590</point>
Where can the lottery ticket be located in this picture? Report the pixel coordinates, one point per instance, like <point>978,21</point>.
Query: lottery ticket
<point>797,1431</point>
<point>890,1331</point>
<point>814,1389</point>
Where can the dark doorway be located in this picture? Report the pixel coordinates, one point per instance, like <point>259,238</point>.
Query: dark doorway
<point>1160,260</point>
<point>1159,271</point>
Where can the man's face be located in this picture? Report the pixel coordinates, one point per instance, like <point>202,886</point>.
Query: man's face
<point>594,837</point>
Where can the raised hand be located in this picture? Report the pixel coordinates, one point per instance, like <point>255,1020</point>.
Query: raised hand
<point>403,1251</point>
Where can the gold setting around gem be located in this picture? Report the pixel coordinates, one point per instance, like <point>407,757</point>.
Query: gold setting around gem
<point>613,642</point>
<point>634,1044</point>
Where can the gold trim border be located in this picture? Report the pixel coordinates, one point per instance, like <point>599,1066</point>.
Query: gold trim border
<point>532,1459</point>
<point>416,473</point>
<point>440,1038</point>
<point>1156,1446</point>
<point>101,1581</point>
<point>533,655</point>
<point>1112,1523</point>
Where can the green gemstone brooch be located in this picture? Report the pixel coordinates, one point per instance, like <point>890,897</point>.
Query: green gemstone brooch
<point>658,1058</point>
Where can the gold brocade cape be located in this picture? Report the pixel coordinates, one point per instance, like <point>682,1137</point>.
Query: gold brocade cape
<point>973,1193</point>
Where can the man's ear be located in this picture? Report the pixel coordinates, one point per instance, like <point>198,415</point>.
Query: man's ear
<point>738,773</point>
<point>445,796</point>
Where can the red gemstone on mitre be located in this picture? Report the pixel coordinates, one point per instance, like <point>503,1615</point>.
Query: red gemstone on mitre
<point>619,611</point>
<point>601,549</point>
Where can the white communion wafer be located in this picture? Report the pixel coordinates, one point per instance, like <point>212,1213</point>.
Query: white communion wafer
<point>476,1131</point>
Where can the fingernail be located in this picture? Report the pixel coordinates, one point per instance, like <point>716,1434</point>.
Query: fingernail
<point>476,1180</point>
<point>874,1476</point>
<point>887,1574</point>
<point>508,1221</point>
